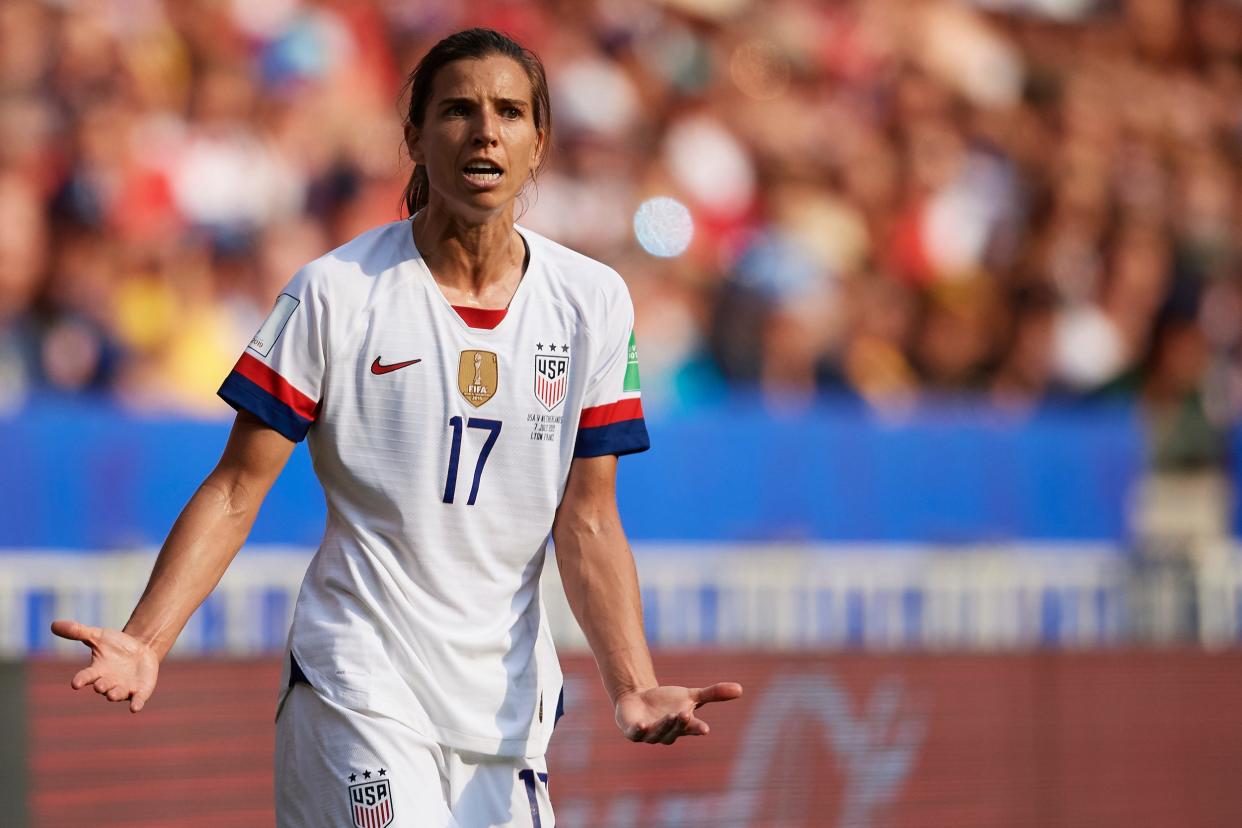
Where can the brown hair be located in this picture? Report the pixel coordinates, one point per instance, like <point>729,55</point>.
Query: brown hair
<point>471,44</point>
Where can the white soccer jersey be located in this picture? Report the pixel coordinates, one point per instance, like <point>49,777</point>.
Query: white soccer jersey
<point>443,440</point>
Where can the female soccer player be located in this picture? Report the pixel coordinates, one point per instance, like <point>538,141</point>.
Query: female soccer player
<point>466,387</point>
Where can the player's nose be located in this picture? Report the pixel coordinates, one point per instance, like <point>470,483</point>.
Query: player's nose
<point>486,129</point>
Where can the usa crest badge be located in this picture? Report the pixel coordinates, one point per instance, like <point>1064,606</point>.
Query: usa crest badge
<point>477,376</point>
<point>371,803</point>
<point>551,379</point>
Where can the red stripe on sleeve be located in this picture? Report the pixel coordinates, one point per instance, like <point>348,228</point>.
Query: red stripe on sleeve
<point>487,318</point>
<point>602,415</point>
<point>276,385</point>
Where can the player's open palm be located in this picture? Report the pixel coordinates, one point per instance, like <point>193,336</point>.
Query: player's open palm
<point>122,667</point>
<point>662,715</point>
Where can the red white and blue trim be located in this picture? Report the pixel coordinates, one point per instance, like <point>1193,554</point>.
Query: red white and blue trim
<point>254,387</point>
<point>616,428</point>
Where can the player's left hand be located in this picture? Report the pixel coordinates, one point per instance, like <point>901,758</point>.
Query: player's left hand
<point>122,668</point>
<point>662,715</point>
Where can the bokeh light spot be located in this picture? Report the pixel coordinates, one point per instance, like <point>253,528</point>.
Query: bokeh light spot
<point>663,226</point>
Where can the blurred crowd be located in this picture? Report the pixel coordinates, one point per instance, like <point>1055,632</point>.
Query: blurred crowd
<point>893,200</point>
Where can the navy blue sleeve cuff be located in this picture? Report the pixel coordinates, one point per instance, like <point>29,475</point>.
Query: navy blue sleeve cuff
<point>245,395</point>
<point>625,437</point>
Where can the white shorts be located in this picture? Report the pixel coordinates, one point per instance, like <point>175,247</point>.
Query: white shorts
<point>337,768</point>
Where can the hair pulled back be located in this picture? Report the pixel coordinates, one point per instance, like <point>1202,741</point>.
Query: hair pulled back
<point>471,44</point>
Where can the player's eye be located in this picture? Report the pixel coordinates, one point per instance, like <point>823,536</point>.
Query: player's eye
<point>456,109</point>
<point>512,112</point>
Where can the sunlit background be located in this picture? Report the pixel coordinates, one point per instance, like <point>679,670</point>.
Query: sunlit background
<point>940,330</point>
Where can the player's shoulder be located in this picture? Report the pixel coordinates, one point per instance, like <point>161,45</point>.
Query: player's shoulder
<point>358,263</point>
<point>576,276</point>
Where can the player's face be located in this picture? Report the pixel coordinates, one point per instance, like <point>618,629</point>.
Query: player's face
<point>478,140</point>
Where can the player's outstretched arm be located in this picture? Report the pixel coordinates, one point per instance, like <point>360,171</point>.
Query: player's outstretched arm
<point>200,547</point>
<point>601,583</point>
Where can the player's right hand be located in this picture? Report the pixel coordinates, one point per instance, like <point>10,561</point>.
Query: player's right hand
<point>122,667</point>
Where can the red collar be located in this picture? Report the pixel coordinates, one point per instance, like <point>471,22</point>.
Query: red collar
<point>487,318</point>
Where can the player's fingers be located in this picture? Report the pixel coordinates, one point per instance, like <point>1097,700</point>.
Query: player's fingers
<point>689,725</point>
<point>117,693</point>
<point>85,676</point>
<point>661,729</point>
<point>641,730</point>
<point>676,731</point>
<point>692,725</point>
<point>697,727</point>
<point>103,684</point>
<point>723,691</point>
<point>636,732</point>
<point>138,701</point>
<point>75,631</point>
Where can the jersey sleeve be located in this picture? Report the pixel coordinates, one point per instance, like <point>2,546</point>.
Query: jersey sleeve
<point>279,376</point>
<point>612,409</point>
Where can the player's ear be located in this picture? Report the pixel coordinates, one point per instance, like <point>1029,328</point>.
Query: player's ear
<point>541,146</point>
<point>412,144</point>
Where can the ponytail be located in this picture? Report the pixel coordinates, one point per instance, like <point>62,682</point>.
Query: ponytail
<point>415,195</point>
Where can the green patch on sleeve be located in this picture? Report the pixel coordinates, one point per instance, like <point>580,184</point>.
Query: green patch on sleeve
<point>631,367</point>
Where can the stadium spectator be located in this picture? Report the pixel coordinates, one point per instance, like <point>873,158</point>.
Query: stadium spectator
<point>891,199</point>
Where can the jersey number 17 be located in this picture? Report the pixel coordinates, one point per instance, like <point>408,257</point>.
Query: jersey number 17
<point>450,483</point>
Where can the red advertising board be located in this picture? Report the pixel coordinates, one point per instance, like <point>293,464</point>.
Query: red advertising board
<point>1064,739</point>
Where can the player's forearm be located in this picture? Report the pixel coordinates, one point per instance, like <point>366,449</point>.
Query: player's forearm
<point>601,584</point>
<point>199,548</point>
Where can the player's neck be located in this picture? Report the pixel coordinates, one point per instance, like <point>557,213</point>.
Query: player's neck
<point>476,265</point>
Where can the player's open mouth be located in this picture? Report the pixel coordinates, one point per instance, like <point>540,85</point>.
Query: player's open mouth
<point>482,173</point>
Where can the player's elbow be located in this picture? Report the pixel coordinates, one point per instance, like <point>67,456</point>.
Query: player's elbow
<point>229,495</point>
<point>584,527</point>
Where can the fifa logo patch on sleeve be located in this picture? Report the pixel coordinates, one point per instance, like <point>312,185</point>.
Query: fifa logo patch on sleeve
<point>631,367</point>
<point>275,324</point>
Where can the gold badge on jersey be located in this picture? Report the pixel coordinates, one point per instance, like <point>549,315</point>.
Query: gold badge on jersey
<point>477,376</point>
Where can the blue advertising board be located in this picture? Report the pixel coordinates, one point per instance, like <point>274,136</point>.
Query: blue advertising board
<point>89,476</point>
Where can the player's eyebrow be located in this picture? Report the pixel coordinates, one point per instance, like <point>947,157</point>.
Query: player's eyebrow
<point>518,102</point>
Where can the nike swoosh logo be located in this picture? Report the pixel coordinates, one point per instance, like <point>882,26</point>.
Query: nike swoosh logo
<point>376,368</point>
